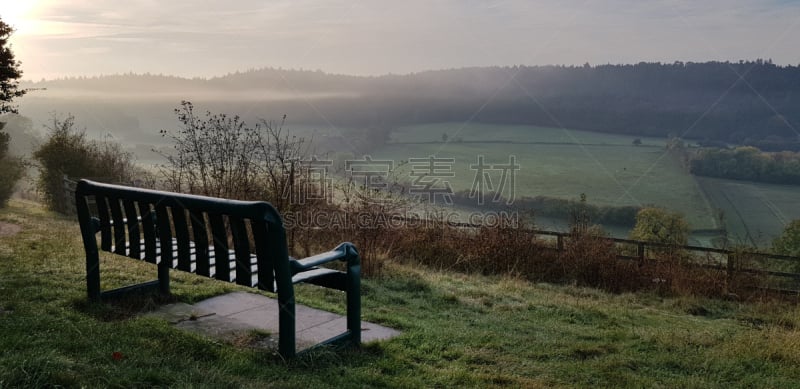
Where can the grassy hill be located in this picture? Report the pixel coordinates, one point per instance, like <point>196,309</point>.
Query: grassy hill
<point>458,330</point>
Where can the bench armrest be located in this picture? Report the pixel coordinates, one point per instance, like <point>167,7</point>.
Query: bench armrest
<point>343,252</point>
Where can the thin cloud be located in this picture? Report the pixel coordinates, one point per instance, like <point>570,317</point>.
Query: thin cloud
<point>376,37</point>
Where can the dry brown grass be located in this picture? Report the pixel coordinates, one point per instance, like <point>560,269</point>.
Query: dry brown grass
<point>587,259</point>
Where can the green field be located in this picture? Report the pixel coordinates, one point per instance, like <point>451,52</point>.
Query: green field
<point>755,213</point>
<point>481,132</point>
<point>458,330</point>
<point>609,169</point>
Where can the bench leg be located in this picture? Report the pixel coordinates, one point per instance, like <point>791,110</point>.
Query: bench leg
<point>93,275</point>
<point>286,325</point>
<point>354,301</point>
<point>163,278</point>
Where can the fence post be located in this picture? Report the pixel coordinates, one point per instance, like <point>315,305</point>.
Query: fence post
<point>730,269</point>
<point>69,195</point>
<point>560,242</point>
<point>640,251</point>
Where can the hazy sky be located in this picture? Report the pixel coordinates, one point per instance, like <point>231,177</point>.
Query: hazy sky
<point>206,38</point>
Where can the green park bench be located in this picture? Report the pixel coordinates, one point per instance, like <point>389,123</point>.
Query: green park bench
<point>242,242</point>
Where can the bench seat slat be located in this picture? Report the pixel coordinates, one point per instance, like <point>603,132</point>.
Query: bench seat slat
<point>164,232</point>
<point>265,274</point>
<point>251,261</point>
<point>220,244</point>
<point>117,222</point>
<point>182,237</point>
<point>200,235</point>
<point>243,261</point>
<point>132,219</point>
<point>149,230</point>
<point>105,223</point>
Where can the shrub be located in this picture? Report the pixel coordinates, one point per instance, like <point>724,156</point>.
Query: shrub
<point>789,241</point>
<point>67,151</point>
<point>11,172</point>
<point>13,169</point>
<point>660,226</point>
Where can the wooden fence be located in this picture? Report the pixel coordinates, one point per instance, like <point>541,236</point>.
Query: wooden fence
<point>780,269</point>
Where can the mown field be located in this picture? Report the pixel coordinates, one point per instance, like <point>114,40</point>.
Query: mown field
<point>458,331</point>
<point>755,213</point>
<point>609,169</point>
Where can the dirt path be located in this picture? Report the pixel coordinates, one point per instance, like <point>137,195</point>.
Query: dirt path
<point>8,229</point>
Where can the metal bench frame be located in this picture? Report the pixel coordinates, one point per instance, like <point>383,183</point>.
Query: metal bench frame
<point>242,242</point>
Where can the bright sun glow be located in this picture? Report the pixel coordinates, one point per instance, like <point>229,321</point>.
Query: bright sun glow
<point>16,13</point>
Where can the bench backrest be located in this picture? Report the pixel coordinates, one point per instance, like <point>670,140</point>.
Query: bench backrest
<point>235,241</point>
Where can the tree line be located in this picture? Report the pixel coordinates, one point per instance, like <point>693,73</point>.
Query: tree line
<point>624,215</point>
<point>748,163</point>
<point>744,103</point>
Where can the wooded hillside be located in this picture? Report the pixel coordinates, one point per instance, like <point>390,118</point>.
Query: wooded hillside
<point>755,102</point>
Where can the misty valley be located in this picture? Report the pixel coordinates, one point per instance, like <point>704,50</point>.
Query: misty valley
<point>605,132</point>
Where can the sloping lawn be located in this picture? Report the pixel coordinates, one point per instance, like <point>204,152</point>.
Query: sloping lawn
<point>458,330</point>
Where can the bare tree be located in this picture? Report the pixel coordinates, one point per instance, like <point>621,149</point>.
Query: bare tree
<point>215,155</point>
